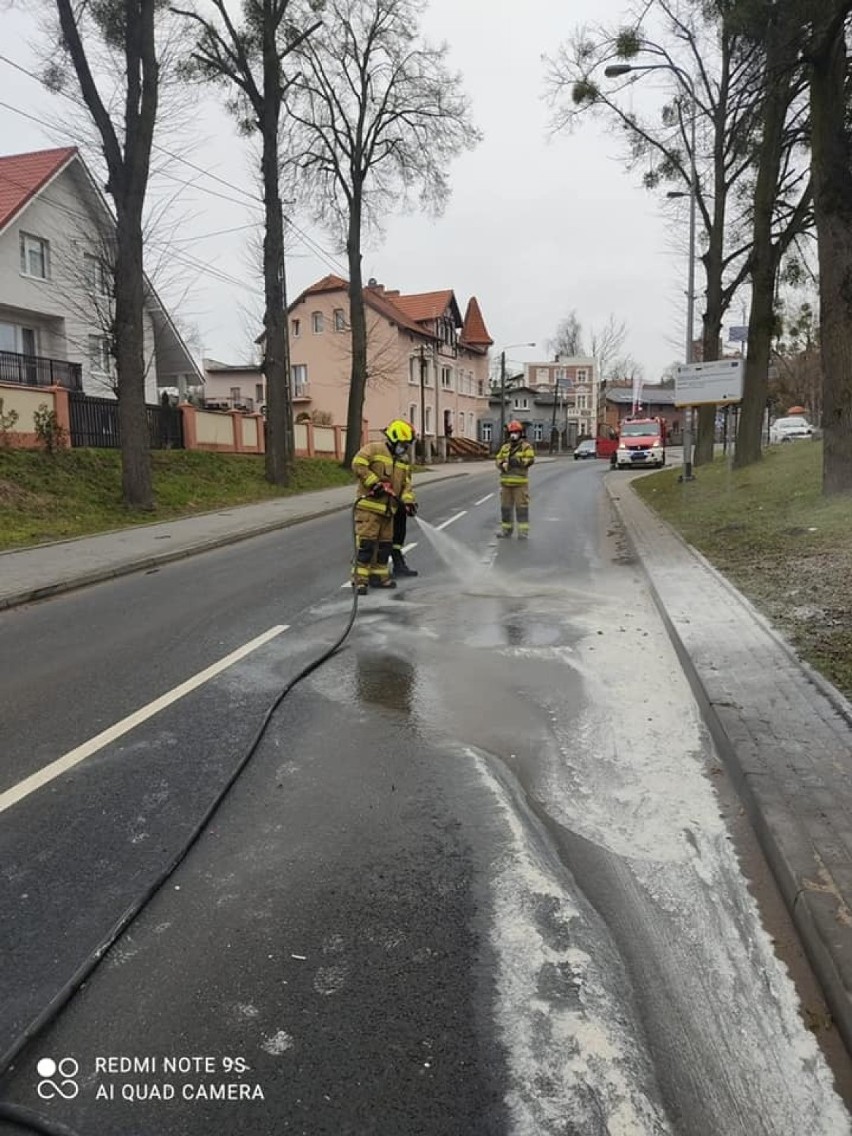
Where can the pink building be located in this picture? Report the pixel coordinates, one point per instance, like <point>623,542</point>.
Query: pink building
<point>425,362</point>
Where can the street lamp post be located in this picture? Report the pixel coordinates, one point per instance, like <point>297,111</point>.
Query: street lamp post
<point>614,72</point>
<point>508,347</point>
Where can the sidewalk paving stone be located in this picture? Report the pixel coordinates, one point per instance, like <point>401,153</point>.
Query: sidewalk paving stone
<point>30,574</point>
<point>783,731</point>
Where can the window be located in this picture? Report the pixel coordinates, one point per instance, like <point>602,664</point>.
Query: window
<point>581,376</point>
<point>100,355</point>
<point>258,392</point>
<point>559,375</point>
<point>521,404</point>
<point>339,319</point>
<point>295,328</point>
<point>470,424</point>
<point>542,375</point>
<point>461,421</point>
<point>412,414</point>
<point>317,323</point>
<point>35,257</point>
<point>235,395</point>
<point>582,402</point>
<point>446,378</point>
<point>486,431</point>
<point>96,275</point>
<point>299,377</point>
<point>480,388</point>
<point>538,431</point>
<point>19,340</point>
<point>414,370</point>
<point>428,426</point>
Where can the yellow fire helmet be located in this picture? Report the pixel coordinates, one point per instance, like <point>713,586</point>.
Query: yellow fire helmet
<point>400,432</point>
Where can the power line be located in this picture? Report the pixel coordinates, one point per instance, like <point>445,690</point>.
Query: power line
<point>322,253</point>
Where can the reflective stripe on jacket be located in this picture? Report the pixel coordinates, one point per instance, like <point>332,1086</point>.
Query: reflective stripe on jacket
<point>520,456</point>
<point>374,463</point>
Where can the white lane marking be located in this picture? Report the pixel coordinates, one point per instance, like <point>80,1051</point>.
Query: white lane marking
<point>450,521</point>
<point>81,752</point>
<point>482,500</point>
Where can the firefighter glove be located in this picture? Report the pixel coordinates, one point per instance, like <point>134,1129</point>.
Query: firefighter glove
<point>411,508</point>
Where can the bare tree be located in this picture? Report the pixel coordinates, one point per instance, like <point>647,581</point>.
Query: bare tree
<point>374,115</point>
<point>568,339</point>
<point>129,29</point>
<point>250,58</point>
<point>827,56</point>
<point>605,343</point>
<point>781,202</point>
<point>692,52</point>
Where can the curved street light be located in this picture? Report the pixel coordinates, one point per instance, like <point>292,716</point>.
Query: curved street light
<point>615,71</point>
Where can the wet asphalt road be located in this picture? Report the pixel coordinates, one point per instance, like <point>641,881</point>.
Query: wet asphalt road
<point>474,880</point>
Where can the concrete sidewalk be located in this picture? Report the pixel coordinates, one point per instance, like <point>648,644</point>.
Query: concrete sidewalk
<point>783,731</point>
<point>30,574</point>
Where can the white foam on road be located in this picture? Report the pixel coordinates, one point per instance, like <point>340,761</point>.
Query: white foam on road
<point>630,776</point>
<point>577,1061</point>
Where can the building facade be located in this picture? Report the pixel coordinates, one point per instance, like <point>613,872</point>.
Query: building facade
<point>425,361</point>
<point>57,242</point>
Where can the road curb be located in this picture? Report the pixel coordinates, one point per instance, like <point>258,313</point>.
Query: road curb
<point>795,861</point>
<point>154,561</point>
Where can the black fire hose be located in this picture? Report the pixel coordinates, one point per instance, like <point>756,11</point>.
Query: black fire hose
<point>25,1117</point>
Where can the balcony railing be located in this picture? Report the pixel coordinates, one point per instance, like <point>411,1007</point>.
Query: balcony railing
<point>301,391</point>
<point>36,371</point>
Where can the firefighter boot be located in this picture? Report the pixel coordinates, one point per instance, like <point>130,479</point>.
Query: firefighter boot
<point>400,568</point>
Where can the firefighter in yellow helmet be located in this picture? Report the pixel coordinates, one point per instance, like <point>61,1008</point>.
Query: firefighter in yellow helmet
<point>383,470</point>
<point>514,459</point>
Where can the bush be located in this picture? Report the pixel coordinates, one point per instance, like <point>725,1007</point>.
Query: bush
<point>8,421</point>
<point>48,430</point>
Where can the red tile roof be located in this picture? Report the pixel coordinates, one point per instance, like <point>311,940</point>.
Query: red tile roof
<point>425,305</point>
<point>474,332</point>
<point>330,283</point>
<point>23,175</point>
<point>386,304</point>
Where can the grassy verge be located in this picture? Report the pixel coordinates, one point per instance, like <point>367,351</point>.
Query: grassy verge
<point>784,545</point>
<point>76,492</point>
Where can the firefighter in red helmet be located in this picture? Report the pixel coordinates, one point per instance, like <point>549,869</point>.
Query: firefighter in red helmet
<point>383,470</point>
<point>514,459</point>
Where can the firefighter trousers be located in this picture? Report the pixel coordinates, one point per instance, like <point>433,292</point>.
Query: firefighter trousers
<point>374,541</point>
<point>515,501</point>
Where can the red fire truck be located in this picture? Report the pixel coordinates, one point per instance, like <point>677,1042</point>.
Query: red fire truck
<point>641,442</point>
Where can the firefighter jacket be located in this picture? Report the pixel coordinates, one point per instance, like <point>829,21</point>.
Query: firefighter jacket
<point>373,464</point>
<point>519,456</point>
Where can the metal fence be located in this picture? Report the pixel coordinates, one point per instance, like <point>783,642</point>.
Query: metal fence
<point>94,422</point>
<point>36,371</point>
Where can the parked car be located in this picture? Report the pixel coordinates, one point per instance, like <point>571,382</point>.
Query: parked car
<point>790,428</point>
<point>586,449</point>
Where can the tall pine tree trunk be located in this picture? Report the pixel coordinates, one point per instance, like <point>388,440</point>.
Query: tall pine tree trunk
<point>276,362</point>
<point>780,61</point>
<point>832,179</point>
<point>129,349</point>
<point>358,320</point>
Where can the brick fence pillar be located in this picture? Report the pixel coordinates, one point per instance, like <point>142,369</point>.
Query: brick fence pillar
<point>63,411</point>
<point>190,437</point>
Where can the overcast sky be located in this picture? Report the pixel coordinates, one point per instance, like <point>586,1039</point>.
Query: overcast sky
<point>536,225</point>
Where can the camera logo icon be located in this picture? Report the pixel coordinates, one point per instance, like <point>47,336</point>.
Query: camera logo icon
<point>58,1078</point>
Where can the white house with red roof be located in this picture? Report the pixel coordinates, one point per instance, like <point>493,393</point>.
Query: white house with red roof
<point>56,236</point>
<point>425,361</point>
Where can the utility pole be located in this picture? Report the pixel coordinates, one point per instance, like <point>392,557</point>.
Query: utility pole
<point>423,403</point>
<point>553,420</point>
<point>502,398</point>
